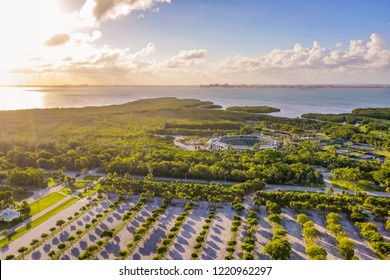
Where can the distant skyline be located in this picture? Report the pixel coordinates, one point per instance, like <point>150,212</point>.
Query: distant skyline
<point>190,42</point>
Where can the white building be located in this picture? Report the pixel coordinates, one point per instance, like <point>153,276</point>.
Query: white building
<point>9,214</point>
<point>240,142</point>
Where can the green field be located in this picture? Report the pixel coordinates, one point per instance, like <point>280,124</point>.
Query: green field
<point>45,202</point>
<point>361,185</point>
<point>6,240</point>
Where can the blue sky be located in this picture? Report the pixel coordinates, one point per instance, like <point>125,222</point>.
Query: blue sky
<point>194,40</point>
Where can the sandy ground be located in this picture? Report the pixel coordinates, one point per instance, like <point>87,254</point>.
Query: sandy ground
<point>146,248</point>
<point>294,234</point>
<point>183,245</point>
<point>362,250</point>
<point>264,230</point>
<point>263,234</point>
<point>242,231</point>
<point>326,239</point>
<point>214,247</point>
<point>93,235</point>
<point>125,235</point>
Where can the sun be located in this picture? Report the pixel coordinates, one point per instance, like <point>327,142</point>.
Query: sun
<point>24,27</point>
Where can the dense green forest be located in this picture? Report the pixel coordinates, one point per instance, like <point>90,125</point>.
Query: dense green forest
<point>253,109</point>
<point>135,139</point>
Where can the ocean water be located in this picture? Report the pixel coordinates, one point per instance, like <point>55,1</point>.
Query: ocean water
<point>293,102</point>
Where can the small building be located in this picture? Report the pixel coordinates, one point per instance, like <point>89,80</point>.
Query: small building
<point>10,214</point>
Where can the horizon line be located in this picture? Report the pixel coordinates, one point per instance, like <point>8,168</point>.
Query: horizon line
<point>209,85</point>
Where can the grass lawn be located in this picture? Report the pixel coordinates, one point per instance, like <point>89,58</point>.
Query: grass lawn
<point>90,191</point>
<point>45,202</point>
<point>361,185</point>
<point>309,185</point>
<point>66,190</point>
<point>6,240</point>
<point>383,153</point>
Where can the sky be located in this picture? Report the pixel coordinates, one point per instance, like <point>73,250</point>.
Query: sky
<point>191,42</point>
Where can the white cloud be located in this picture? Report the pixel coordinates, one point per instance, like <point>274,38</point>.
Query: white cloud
<point>95,11</point>
<point>360,55</point>
<point>57,40</point>
<point>185,59</point>
<point>156,10</point>
<point>141,16</point>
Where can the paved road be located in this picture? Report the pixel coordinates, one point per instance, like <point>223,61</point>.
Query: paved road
<point>270,187</point>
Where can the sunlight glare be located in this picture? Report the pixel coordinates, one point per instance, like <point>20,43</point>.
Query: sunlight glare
<point>24,26</point>
<point>13,98</point>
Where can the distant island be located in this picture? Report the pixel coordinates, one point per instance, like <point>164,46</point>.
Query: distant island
<point>298,86</point>
<point>253,109</point>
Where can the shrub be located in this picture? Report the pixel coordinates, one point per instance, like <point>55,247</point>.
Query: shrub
<point>51,253</point>
<point>141,230</point>
<point>232,242</point>
<point>252,222</point>
<point>310,232</point>
<point>248,256</point>
<point>236,223</point>
<point>276,218</point>
<point>302,218</point>
<point>61,246</point>
<point>71,238</point>
<point>178,224</point>
<point>99,243</point>
<point>33,242</point>
<point>130,245</point>
<point>122,253</point>
<point>137,237</point>
<point>162,249</point>
<point>247,247</point>
<point>174,229</point>
<point>87,226</point>
<point>197,245</point>
<point>249,240</point>
<point>278,249</point>
<point>316,252</point>
<point>44,235</point>
<point>79,231</point>
<point>273,207</point>
<point>251,214</point>
<point>234,228</point>
<point>166,241</point>
<point>22,249</point>
<point>346,247</point>
<point>251,231</point>
<point>194,255</point>
<point>230,249</point>
<point>200,239</point>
